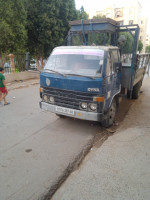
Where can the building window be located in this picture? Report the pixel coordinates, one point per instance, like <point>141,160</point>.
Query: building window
<point>120,23</point>
<point>130,22</point>
<point>118,13</point>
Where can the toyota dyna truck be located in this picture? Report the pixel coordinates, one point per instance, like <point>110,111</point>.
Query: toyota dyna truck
<point>86,81</point>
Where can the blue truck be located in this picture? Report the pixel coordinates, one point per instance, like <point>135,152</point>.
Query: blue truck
<point>87,81</point>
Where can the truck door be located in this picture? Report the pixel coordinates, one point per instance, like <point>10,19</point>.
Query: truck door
<point>112,79</point>
<point>116,69</point>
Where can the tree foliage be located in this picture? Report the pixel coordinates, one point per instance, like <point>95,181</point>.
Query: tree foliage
<point>82,14</point>
<point>140,45</point>
<point>44,22</point>
<point>12,26</point>
<point>48,24</point>
<point>99,38</point>
<point>127,46</point>
<point>94,38</point>
<point>148,49</point>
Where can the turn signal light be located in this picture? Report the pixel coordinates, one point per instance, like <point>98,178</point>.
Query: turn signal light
<point>98,99</point>
<point>41,89</point>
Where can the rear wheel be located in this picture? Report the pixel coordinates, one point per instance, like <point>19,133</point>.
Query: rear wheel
<point>136,90</point>
<point>128,94</point>
<point>109,118</point>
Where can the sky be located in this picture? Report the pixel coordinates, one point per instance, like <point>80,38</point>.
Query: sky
<point>91,6</point>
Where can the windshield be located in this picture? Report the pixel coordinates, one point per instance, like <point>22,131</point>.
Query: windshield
<point>85,62</point>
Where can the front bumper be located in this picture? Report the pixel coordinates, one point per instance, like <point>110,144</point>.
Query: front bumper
<point>79,114</point>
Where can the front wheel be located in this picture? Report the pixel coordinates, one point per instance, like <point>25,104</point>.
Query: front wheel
<point>109,117</point>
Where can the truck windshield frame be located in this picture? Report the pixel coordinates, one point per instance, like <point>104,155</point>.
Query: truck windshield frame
<point>83,62</point>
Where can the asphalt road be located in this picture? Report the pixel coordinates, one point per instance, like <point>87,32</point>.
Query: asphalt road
<point>37,148</point>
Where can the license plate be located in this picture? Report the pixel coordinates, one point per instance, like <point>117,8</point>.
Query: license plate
<point>65,110</point>
<point>44,107</point>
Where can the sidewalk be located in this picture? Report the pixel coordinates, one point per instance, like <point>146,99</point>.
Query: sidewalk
<point>21,84</point>
<point>120,168</point>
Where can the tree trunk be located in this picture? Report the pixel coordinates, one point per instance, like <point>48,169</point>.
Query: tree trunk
<point>12,64</point>
<point>37,63</point>
<point>42,63</point>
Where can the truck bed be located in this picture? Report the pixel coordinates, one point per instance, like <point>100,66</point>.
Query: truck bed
<point>126,75</point>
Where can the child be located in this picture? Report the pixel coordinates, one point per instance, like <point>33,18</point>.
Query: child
<point>3,90</point>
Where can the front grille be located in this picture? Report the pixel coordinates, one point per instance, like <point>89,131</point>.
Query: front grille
<point>69,99</point>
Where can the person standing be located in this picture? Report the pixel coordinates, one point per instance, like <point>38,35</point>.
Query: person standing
<point>3,89</point>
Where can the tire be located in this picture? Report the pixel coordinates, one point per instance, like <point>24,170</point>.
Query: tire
<point>128,94</point>
<point>109,118</point>
<point>136,90</point>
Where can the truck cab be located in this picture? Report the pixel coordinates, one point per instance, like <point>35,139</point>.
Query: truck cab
<point>81,82</point>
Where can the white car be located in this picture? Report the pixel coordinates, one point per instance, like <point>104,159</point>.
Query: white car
<point>33,64</point>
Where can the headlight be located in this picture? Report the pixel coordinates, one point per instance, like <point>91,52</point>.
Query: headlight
<point>93,106</point>
<point>83,105</point>
<point>51,99</point>
<point>45,97</point>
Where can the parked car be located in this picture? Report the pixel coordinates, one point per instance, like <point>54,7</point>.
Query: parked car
<point>7,67</point>
<point>33,64</point>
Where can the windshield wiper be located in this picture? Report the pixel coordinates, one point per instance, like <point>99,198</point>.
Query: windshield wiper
<point>69,74</point>
<point>80,75</point>
<point>50,70</point>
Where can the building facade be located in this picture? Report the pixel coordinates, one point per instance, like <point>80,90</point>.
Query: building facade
<point>127,12</point>
<point>147,40</point>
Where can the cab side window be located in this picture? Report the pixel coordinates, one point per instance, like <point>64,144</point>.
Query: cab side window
<point>113,57</point>
<point>114,54</point>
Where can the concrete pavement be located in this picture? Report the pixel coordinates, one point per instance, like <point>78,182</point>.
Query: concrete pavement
<point>37,148</point>
<point>120,168</point>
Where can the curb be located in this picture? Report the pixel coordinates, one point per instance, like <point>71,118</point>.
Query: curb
<point>22,84</point>
<point>71,167</point>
